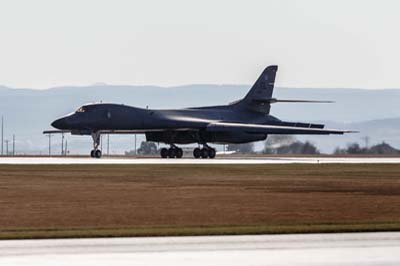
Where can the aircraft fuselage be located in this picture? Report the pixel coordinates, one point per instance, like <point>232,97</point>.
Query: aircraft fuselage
<point>119,118</point>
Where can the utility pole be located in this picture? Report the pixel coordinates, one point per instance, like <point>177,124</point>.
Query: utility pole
<point>13,153</point>
<point>108,144</point>
<point>6,141</point>
<point>135,146</point>
<point>62,143</point>
<point>2,135</point>
<point>66,147</point>
<point>49,144</point>
<point>366,139</point>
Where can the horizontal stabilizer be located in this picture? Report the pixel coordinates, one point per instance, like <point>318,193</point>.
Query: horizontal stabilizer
<point>56,131</point>
<point>274,100</point>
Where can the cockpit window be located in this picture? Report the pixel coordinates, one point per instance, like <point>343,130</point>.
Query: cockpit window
<point>81,110</point>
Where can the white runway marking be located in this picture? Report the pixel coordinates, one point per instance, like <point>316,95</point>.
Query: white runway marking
<point>252,160</point>
<point>320,249</point>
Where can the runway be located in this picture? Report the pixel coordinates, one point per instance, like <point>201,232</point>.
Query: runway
<point>233,160</point>
<point>320,249</point>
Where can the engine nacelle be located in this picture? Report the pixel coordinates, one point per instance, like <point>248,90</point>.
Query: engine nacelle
<point>187,137</point>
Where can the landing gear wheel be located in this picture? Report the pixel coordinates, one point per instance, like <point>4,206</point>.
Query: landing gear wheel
<point>179,153</point>
<point>171,153</point>
<point>204,153</point>
<point>97,154</point>
<point>164,153</point>
<point>211,153</point>
<point>196,153</point>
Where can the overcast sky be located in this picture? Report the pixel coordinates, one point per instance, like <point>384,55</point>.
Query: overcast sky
<point>316,43</point>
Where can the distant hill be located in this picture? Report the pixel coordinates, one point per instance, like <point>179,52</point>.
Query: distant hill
<point>28,112</point>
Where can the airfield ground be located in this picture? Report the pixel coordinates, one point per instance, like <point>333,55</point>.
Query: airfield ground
<point>44,201</point>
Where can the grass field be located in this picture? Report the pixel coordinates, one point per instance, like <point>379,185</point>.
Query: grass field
<point>45,201</point>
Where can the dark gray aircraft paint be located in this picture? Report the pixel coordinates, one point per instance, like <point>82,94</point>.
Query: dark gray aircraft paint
<point>246,120</point>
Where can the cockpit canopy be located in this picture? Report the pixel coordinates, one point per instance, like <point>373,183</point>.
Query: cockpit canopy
<point>81,109</point>
<point>86,108</point>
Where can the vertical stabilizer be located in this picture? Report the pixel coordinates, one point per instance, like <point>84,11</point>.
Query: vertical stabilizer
<point>257,99</point>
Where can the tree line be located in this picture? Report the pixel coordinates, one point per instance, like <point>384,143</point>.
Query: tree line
<point>283,144</point>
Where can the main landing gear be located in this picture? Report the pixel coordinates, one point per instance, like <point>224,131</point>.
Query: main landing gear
<point>176,152</point>
<point>204,153</point>
<point>172,152</point>
<point>96,153</point>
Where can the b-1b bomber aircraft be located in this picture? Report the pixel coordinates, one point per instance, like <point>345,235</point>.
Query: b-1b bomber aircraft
<point>243,121</point>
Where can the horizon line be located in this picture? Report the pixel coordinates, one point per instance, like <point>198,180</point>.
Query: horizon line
<point>102,84</point>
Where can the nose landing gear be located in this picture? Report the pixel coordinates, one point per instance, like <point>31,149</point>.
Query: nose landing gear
<point>96,153</point>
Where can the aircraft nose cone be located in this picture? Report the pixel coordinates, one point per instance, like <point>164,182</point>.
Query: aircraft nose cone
<point>59,124</point>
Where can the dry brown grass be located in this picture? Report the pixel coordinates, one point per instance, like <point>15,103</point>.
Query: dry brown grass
<point>117,197</point>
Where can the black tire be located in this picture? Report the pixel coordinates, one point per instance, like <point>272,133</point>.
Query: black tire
<point>204,153</point>
<point>98,154</point>
<point>171,153</point>
<point>197,153</point>
<point>179,153</point>
<point>164,153</point>
<point>211,153</point>
<point>92,153</point>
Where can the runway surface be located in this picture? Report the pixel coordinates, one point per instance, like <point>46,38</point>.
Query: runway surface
<point>233,160</point>
<point>321,249</point>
